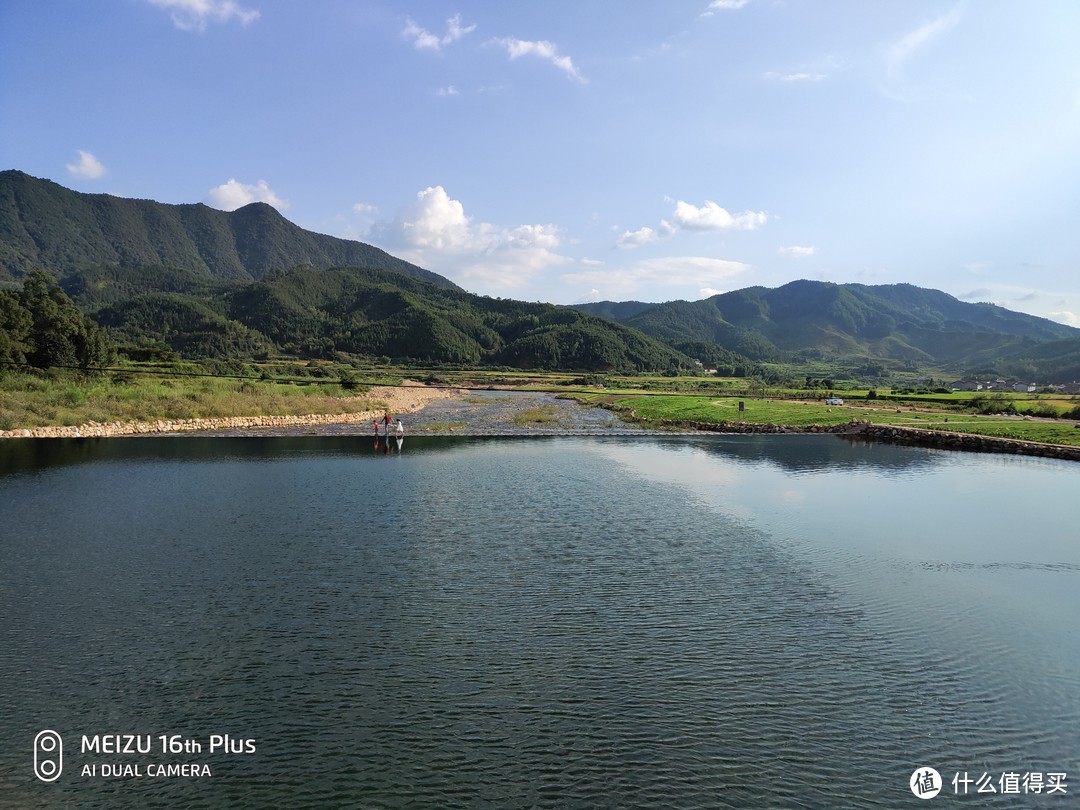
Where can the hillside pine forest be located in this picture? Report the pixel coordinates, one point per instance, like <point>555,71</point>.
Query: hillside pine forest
<point>85,278</point>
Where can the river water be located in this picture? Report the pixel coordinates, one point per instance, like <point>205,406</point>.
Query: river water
<point>577,621</point>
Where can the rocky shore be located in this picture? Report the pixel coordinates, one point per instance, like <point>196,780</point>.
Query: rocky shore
<point>397,400</point>
<point>963,441</point>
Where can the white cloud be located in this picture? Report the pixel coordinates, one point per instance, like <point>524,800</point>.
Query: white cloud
<point>711,217</point>
<point>425,40</point>
<point>455,31</point>
<point>193,15</point>
<point>901,52</point>
<point>436,233</point>
<point>437,222</point>
<point>691,269</point>
<point>87,167</point>
<point>450,90</point>
<point>364,209</point>
<point>797,251</point>
<point>633,239</point>
<point>708,292</point>
<point>545,50</point>
<point>728,5</point>
<point>233,194</point>
<point>421,38</point>
<point>815,71</point>
<point>796,77</point>
<point>659,274</point>
<point>1065,317</point>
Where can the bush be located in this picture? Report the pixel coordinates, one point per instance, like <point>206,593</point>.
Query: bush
<point>1043,411</point>
<point>993,403</point>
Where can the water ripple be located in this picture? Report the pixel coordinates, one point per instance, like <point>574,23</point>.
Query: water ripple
<point>525,626</point>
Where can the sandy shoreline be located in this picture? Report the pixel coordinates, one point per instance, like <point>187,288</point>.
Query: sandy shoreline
<point>402,399</point>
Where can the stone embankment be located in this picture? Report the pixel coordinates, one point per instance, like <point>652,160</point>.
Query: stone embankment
<point>961,441</point>
<point>893,434</point>
<point>845,428</point>
<point>396,400</point>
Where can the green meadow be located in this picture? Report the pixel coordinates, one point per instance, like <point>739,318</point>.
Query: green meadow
<point>672,409</point>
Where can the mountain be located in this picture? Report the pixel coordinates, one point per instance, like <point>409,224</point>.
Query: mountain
<point>373,313</point>
<point>249,283</point>
<point>896,323</point>
<point>1058,360</point>
<point>44,225</point>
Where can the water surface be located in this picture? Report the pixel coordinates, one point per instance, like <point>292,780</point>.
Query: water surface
<point>717,621</point>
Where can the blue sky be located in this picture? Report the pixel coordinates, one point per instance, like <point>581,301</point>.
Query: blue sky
<point>572,151</point>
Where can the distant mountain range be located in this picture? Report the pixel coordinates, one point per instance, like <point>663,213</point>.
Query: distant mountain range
<point>208,283</point>
<point>44,225</point>
<point>896,324</point>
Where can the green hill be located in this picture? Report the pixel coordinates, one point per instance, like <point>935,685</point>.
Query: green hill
<point>897,323</point>
<point>364,312</point>
<point>207,283</point>
<point>44,225</point>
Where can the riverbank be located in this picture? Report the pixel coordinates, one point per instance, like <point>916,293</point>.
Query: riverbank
<point>403,399</point>
<point>897,434</point>
<point>459,412</point>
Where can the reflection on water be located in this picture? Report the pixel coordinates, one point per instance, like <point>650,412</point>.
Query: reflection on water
<point>693,622</point>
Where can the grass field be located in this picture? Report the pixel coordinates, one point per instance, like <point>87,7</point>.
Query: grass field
<point>35,400</point>
<point>725,410</point>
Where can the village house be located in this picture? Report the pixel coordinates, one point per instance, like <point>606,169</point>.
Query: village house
<point>966,385</point>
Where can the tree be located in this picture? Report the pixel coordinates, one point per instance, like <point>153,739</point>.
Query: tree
<point>15,326</point>
<point>60,335</point>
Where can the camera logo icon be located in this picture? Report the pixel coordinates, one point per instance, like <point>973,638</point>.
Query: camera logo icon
<point>48,756</point>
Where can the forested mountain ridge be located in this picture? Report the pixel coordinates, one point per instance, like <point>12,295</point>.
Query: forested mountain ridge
<point>373,313</point>
<point>813,319</point>
<point>44,225</point>
<point>210,284</point>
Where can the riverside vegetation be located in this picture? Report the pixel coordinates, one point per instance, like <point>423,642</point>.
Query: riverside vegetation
<point>961,417</point>
<point>29,399</point>
<point>145,393</point>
